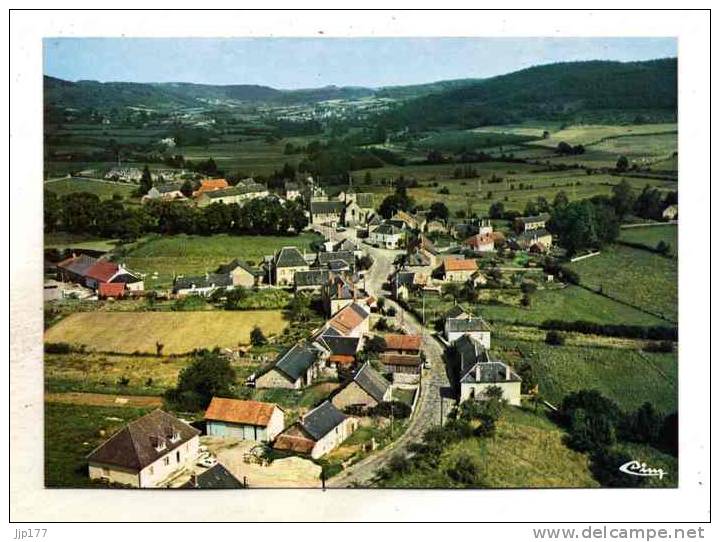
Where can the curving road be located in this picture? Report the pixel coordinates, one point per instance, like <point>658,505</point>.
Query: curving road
<point>434,401</point>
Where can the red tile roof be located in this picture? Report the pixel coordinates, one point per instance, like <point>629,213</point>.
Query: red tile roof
<point>208,185</point>
<point>480,240</point>
<point>460,265</point>
<point>349,318</point>
<point>402,342</point>
<point>342,359</point>
<point>111,289</point>
<point>237,411</point>
<point>294,440</point>
<point>102,271</point>
<point>400,359</point>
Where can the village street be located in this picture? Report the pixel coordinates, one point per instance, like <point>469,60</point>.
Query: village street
<point>435,392</point>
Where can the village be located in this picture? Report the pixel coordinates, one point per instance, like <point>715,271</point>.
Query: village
<point>387,362</point>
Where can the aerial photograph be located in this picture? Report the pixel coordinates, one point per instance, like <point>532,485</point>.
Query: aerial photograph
<point>407,263</point>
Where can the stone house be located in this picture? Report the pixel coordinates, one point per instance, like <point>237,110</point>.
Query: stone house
<point>540,238</point>
<point>386,236</point>
<point>473,326</point>
<point>240,273</point>
<point>146,452</point>
<point>358,208</point>
<point>239,194</point>
<point>481,242</point>
<point>286,262</point>
<point>202,285</point>
<point>295,369</point>
<point>404,368</point>
<point>326,213</point>
<point>458,270</point>
<point>478,372</point>
<point>529,223</point>
<point>366,390</point>
<point>246,420</point>
<point>319,432</point>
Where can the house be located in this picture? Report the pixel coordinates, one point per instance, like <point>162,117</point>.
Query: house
<point>335,261</point>
<point>358,208</point>
<point>670,212</point>
<point>295,369</point>
<point>473,326</point>
<point>91,272</point>
<point>412,222</point>
<point>326,213</point>
<point>463,230</point>
<point>529,223</point>
<point>292,190</point>
<point>210,185</point>
<point>240,273</point>
<point>351,321</point>
<point>373,222</point>
<point>405,282</point>
<point>320,431</point>
<point>145,452</point>
<point>386,236</point>
<point>436,226</point>
<point>339,352</point>
<point>216,477</point>
<point>164,192</point>
<point>346,245</point>
<point>111,290</point>
<point>239,194</point>
<point>398,344</point>
<point>481,242</point>
<point>338,293</point>
<point>457,311</point>
<point>245,420</point>
<point>287,261</point>
<point>314,279</point>
<point>202,285</point>
<point>481,375</point>
<point>458,270</point>
<point>541,239</point>
<point>365,390</point>
<point>405,368</point>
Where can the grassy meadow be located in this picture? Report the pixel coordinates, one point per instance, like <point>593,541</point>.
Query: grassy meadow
<point>102,189</point>
<point>650,236</point>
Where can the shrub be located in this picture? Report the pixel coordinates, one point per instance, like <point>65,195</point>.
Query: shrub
<point>465,470</point>
<point>554,338</point>
<point>124,381</point>
<point>655,333</point>
<point>257,337</point>
<point>391,311</point>
<point>386,408</point>
<point>58,348</point>
<point>605,467</point>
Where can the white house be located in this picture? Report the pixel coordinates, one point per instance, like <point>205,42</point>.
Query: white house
<point>386,236</point>
<point>478,372</point>
<point>146,452</point>
<point>472,325</point>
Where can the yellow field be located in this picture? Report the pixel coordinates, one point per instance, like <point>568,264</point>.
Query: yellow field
<point>180,332</point>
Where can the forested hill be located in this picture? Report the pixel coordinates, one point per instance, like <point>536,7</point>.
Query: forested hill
<point>93,94</point>
<point>576,91</point>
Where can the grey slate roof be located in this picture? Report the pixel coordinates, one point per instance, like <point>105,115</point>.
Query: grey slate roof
<point>240,189</point>
<point>203,281</point>
<point>387,229</point>
<point>532,234</point>
<point>456,312</point>
<point>78,265</point>
<point>372,382</point>
<point>227,268</point>
<point>375,220</point>
<point>491,371</point>
<point>321,420</point>
<point>314,277</point>
<point>342,346</point>
<point>346,245</point>
<point>470,351</point>
<point>169,187</point>
<point>217,477</point>
<point>289,257</point>
<point>325,258</point>
<point>326,207</point>
<point>365,200</point>
<point>542,217</point>
<point>296,361</point>
<point>126,278</point>
<point>134,446</point>
<point>466,325</point>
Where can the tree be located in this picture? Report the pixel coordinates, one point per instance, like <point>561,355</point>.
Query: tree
<point>299,307</point>
<point>187,188</point>
<point>604,466</point>
<point>554,338</point>
<point>663,248</point>
<point>399,201</point>
<point>497,210</point>
<point>623,198</point>
<point>561,200</point>
<point>145,181</point>
<point>78,211</point>
<point>209,375</point>
<point>529,379</point>
<point>668,437</point>
<point>438,210</point>
<point>465,470</point>
<point>622,164</point>
<point>51,210</point>
<point>257,337</point>
<point>375,345</point>
<point>644,425</point>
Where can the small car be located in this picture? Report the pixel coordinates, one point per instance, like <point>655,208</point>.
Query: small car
<point>206,461</point>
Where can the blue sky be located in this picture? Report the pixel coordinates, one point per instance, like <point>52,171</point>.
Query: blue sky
<point>316,62</point>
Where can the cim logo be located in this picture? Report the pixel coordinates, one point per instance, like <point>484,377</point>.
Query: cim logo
<point>636,468</point>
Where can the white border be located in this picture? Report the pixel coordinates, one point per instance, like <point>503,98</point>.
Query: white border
<point>31,503</point>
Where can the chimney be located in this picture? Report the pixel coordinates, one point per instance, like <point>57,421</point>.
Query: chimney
<point>507,372</point>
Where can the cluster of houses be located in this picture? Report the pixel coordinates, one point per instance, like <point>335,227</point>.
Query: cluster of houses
<point>209,191</point>
<point>105,278</point>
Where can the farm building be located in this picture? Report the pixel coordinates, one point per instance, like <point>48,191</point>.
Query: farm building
<point>164,192</point>
<point>538,239</point>
<point>402,344</point>
<point>343,261</point>
<point>338,293</point>
<point>240,193</point>
<point>217,477</point>
<point>145,452</point>
<point>474,326</point>
<point>338,351</point>
<point>295,369</point>
<point>458,270</point>
<point>405,368</point>
<point>351,321</point>
<point>481,242</point>
<point>91,272</point>
<point>314,279</point>
<point>241,274</point>
<point>412,222</point>
<point>292,190</point>
<point>529,223</point>
<point>246,420</point>
<point>366,390</point>
<point>328,213</point>
<point>386,236</point>
<point>210,185</point>
<point>202,285</point>
<point>286,262</point>
<point>318,432</point>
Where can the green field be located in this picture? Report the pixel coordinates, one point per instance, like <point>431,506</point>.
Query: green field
<point>72,432</point>
<point>650,236</point>
<point>627,376</point>
<point>527,451</point>
<point>179,332</point>
<point>62,240</point>
<point>589,134</point>
<point>189,254</point>
<point>462,140</point>
<point>633,276</point>
<point>102,189</point>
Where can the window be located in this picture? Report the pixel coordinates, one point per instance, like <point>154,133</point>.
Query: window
<point>151,470</point>
<point>166,461</point>
<point>177,456</point>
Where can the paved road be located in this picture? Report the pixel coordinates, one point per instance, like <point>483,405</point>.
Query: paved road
<point>434,401</point>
